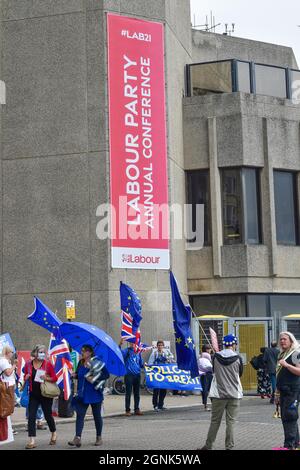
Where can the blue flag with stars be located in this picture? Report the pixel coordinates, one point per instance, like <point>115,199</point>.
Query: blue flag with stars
<point>131,304</point>
<point>185,346</point>
<point>45,318</point>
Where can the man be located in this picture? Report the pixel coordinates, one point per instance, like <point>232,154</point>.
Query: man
<point>270,361</point>
<point>133,364</point>
<point>225,392</point>
<point>159,357</point>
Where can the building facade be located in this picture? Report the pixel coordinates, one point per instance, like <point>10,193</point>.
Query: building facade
<point>233,145</point>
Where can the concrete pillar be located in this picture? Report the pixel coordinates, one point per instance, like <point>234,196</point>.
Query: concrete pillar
<point>269,202</point>
<point>215,195</point>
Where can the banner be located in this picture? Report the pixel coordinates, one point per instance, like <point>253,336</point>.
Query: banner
<point>170,377</point>
<point>214,340</point>
<point>138,150</point>
<point>5,340</point>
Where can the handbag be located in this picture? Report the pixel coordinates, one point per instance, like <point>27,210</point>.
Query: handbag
<point>24,401</point>
<point>7,399</point>
<point>50,390</point>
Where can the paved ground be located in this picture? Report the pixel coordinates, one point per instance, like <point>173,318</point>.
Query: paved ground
<point>173,429</point>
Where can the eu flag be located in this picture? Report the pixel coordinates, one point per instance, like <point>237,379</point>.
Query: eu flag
<point>185,346</point>
<point>45,318</point>
<point>131,304</point>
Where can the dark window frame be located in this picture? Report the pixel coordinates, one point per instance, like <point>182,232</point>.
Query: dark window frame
<point>240,169</point>
<point>235,76</point>
<point>296,195</point>
<point>207,223</point>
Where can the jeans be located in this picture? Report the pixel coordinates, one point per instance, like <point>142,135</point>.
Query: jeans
<point>231,405</point>
<point>289,403</point>
<point>205,383</point>
<point>81,409</point>
<point>159,395</point>
<point>273,382</point>
<point>46,404</point>
<point>132,382</point>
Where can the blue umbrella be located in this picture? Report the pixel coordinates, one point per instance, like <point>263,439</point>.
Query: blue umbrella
<point>79,334</point>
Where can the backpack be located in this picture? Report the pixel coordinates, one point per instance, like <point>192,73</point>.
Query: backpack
<point>255,362</point>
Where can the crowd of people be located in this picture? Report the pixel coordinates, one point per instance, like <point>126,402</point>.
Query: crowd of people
<point>220,372</point>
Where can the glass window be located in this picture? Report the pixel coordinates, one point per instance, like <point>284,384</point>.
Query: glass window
<point>258,306</point>
<point>251,189</point>
<point>198,193</point>
<point>232,206</point>
<point>229,305</point>
<point>270,81</point>
<point>241,206</point>
<point>283,305</point>
<point>215,77</point>
<point>286,207</point>
<point>243,69</point>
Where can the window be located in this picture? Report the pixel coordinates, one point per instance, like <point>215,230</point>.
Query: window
<point>257,305</point>
<point>213,77</point>
<point>270,81</point>
<point>229,305</point>
<point>286,207</point>
<point>243,70</point>
<point>198,193</point>
<point>251,193</point>
<point>241,206</point>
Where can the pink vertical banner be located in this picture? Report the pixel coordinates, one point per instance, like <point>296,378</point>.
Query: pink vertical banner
<point>138,150</point>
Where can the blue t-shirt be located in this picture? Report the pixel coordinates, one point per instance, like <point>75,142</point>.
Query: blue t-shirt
<point>86,391</point>
<point>133,362</point>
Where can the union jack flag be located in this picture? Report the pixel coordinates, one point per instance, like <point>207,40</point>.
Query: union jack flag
<point>59,355</point>
<point>131,307</point>
<point>128,335</point>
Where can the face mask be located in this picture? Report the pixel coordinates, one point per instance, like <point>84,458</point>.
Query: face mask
<point>41,356</point>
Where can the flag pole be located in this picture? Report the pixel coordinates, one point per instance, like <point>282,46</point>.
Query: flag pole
<point>201,327</point>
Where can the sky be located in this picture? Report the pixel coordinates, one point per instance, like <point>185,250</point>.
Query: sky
<point>262,20</point>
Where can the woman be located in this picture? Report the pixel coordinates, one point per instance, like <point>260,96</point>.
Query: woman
<point>7,375</point>
<point>37,371</point>
<point>205,368</point>
<point>87,396</point>
<point>160,357</point>
<point>264,387</point>
<point>288,389</point>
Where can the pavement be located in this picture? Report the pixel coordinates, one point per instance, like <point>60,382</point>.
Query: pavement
<point>183,426</point>
<point>114,406</point>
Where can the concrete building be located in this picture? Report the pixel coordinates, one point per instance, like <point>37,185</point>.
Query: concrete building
<point>233,144</point>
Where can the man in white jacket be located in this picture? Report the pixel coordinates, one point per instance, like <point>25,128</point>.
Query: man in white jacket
<point>225,392</point>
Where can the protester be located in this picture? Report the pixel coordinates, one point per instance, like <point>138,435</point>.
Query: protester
<point>225,392</point>
<point>270,361</point>
<point>205,368</point>
<point>263,378</point>
<point>7,376</point>
<point>160,357</point>
<point>288,389</point>
<point>37,371</point>
<point>87,395</point>
<point>39,414</point>
<point>133,364</point>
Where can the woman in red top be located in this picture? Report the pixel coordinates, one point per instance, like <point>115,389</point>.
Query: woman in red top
<point>36,372</point>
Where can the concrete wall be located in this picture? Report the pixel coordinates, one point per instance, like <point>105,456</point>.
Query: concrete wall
<point>211,46</point>
<point>251,130</point>
<point>55,162</point>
